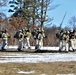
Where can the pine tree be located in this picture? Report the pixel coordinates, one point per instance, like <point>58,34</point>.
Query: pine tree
<point>34,11</point>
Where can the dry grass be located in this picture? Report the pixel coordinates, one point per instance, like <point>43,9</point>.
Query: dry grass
<point>39,68</point>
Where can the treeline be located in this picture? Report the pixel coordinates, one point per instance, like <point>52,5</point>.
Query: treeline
<point>15,23</point>
<point>31,13</point>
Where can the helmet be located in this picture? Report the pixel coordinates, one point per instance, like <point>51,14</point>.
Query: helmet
<point>39,29</point>
<point>71,30</point>
<point>25,28</point>
<point>5,30</point>
<point>20,30</point>
<point>74,30</point>
<point>35,28</point>
<point>62,31</point>
<point>67,31</point>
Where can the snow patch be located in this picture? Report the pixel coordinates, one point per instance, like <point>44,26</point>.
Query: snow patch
<point>33,47</point>
<point>27,72</point>
<point>37,57</point>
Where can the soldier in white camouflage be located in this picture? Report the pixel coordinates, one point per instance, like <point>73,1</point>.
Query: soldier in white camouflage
<point>27,36</point>
<point>38,36</point>
<point>59,35</point>
<point>63,36</point>
<point>73,39</point>
<point>19,36</point>
<point>67,40</point>
<point>4,37</point>
<point>35,36</point>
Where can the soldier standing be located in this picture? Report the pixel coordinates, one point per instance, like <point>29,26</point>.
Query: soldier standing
<point>39,39</point>
<point>67,39</point>
<point>5,37</point>
<point>60,36</point>
<point>73,39</point>
<point>64,40</point>
<point>19,36</point>
<point>35,35</point>
<point>27,35</point>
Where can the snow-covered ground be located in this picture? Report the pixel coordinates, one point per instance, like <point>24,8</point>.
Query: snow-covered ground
<point>33,47</point>
<point>37,57</point>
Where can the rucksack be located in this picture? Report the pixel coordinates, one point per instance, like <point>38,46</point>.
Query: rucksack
<point>16,35</point>
<point>0,34</point>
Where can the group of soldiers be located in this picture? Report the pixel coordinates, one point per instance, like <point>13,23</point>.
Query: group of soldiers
<point>67,40</point>
<point>23,37</point>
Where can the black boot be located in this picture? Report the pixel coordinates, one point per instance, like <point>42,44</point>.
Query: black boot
<point>2,49</point>
<point>73,50</point>
<point>19,49</point>
<point>59,50</point>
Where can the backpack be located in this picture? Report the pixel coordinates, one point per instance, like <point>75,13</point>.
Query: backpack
<point>0,34</point>
<point>58,35</point>
<point>16,35</point>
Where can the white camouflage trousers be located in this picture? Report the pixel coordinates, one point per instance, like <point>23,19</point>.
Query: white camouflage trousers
<point>39,43</point>
<point>27,43</point>
<point>73,43</point>
<point>20,44</point>
<point>64,45</point>
<point>4,43</point>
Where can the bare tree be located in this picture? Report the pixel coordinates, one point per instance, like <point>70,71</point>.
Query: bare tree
<point>72,22</point>
<point>3,2</point>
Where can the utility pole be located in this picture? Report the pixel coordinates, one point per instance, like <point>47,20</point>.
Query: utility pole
<point>62,20</point>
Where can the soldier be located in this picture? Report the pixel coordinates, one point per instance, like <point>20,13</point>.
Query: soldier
<point>67,39</point>
<point>27,36</point>
<point>64,40</point>
<point>35,35</point>
<point>1,34</point>
<point>59,35</point>
<point>39,38</point>
<point>5,37</point>
<point>19,36</point>
<point>73,39</point>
